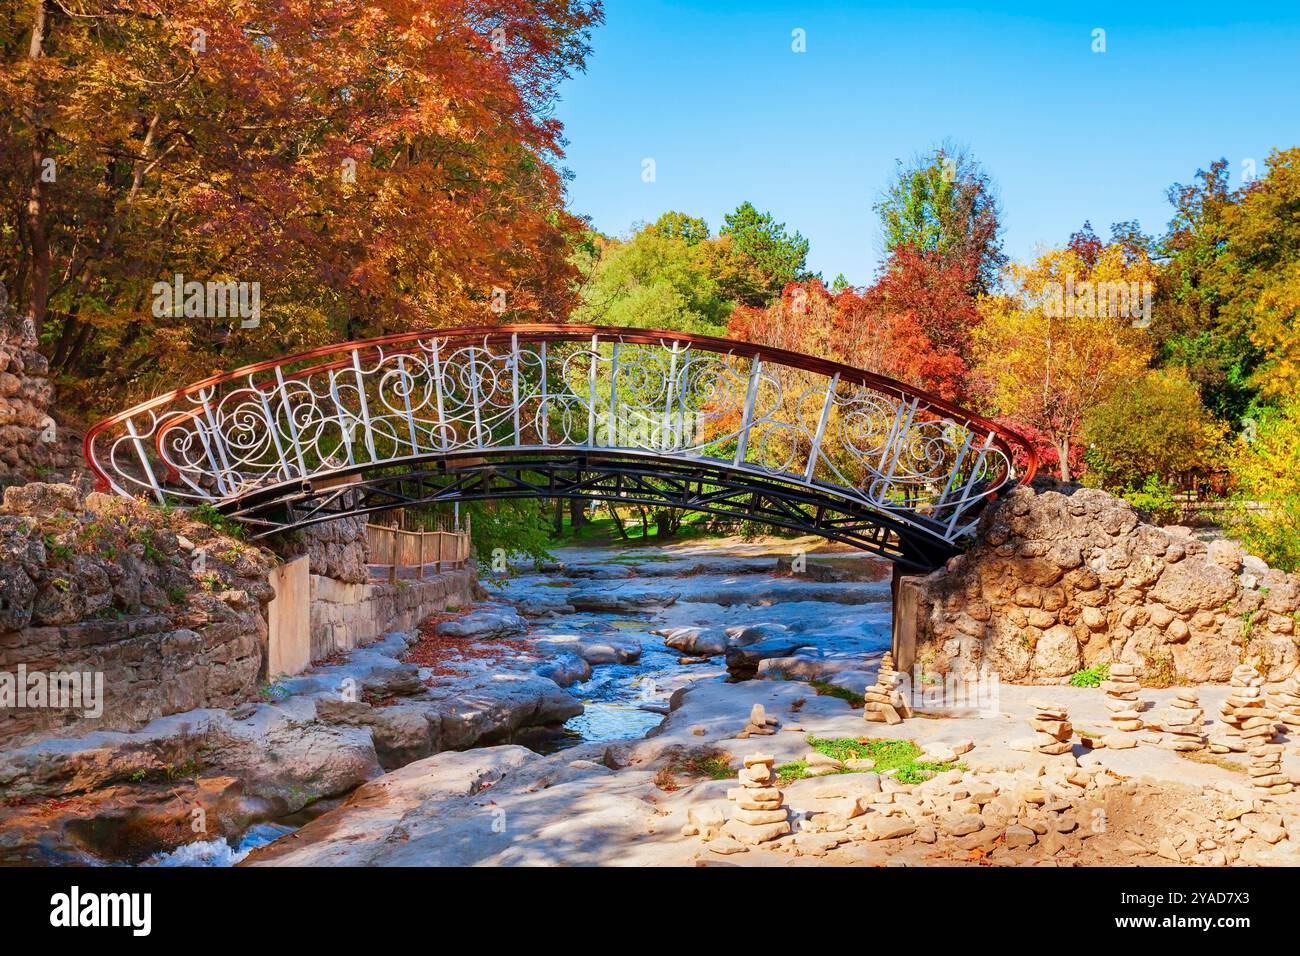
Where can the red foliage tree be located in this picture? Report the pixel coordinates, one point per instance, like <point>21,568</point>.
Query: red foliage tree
<point>913,324</point>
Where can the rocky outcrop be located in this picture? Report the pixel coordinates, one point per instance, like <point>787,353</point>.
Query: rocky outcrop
<point>1057,581</point>
<point>167,610</point>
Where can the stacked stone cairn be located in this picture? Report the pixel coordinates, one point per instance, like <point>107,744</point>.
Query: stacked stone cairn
<point>1182,722</point>
<point>1245,719</point>
<point>1122,697</point>
<point>1288,705</point>
<point>1052,728</point>
<point>760,724</point>
<point>884,702</point>
<point>760,815</point>
<point>1266,770</point>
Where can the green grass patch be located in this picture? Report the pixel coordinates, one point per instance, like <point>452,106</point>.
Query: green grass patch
<point>896,755</point>
<point>1090,676</point>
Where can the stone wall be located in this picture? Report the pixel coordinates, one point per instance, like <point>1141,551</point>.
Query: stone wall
<point>170,612</point>
<point>1061,580</point>
<point>337,549</point>
<point>106,585</point>
<point>31,444</point>
<point>346,615</point>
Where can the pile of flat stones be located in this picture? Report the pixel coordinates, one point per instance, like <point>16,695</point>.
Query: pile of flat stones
<point>1266,774</point>
<point>1245,719</point>
<point>1122,698</point>
<point>883,701</point>
<point>1182,721</point>
<point>1053,731</point>
<point>760,723</point>
<point>759,815</point>
<point>1288,704</point>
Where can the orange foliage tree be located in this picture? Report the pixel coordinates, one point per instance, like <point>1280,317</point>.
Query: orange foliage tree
<point>373,166</point>
<point>914,324</point>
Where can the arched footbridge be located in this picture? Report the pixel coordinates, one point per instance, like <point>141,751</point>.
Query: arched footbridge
<point>570,411</point>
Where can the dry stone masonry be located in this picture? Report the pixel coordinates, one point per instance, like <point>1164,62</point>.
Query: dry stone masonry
<point>108,586</point>
<point>1060,580</point>
<point>31,444</point>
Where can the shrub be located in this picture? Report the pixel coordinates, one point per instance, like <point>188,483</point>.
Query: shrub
<point>1090,676</point>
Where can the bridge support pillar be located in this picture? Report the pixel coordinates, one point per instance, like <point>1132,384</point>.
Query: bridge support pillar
<point>904,588</point>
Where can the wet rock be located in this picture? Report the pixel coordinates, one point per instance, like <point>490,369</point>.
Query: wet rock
<point>565,669</point>
<point>484,622</point>
<point>623,600</point>
<point>743,661</point>
<point>696,641</point>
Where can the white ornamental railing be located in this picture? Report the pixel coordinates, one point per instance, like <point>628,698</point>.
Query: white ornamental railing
<point>410,398</point>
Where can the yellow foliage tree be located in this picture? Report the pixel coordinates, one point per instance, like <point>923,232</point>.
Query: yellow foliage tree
<point>1066,335</point>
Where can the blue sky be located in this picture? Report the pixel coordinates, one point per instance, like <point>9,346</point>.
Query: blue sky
<point>712,92</point>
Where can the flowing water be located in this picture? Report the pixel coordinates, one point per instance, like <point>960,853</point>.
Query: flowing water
<point>718,586</point>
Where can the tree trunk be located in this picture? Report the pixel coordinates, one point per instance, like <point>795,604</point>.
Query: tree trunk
<point>37,210</point>
<point>577,513</point>
<point>559,517</point>
<point>1063,450</point>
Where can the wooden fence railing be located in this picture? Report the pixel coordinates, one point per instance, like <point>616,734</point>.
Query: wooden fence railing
<point>395,548</point>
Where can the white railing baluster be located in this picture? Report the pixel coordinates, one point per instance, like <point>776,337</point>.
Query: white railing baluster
<point>443,427</point>
<point>611,433</point>
<point>666,423</point>
<point>545,423</point>
<point>365,405</point>
<point>747,417</point>
<point>821,427</point>
<point>591,396</point>
<point>514,383</point>
<point>144,459</point>
<point>289,419</point>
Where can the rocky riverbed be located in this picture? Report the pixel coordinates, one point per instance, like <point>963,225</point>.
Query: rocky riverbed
<point>598,711</point>
<point>590,649</point>
<point>973,787</point>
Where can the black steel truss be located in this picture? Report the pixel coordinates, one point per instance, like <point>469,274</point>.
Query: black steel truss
<point>662,482</point>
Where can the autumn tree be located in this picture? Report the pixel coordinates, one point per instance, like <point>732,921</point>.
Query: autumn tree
<point>1257,276</point>
<point>913,324</point>
<point>1052,347</point>
<point>1190,326</point>
<point>1265,460</point>
<point>373,167</point>
<point>655,279</point>
<point>943,204</point>
<point>1156,426</point>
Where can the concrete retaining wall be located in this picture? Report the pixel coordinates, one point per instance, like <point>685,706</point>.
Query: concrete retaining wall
<point>344,616</point>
